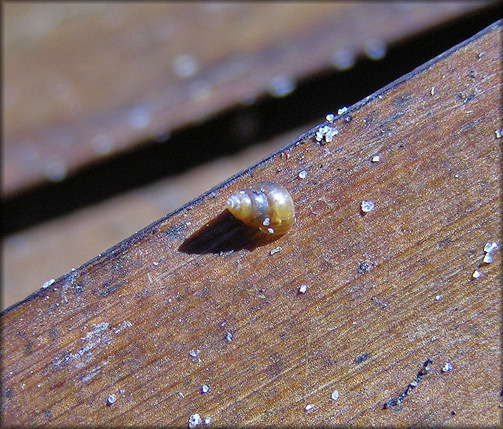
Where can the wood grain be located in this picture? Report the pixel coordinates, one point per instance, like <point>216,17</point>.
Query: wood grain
<point>386,290</point>
<point>39,254</point>
<point>87,81</point>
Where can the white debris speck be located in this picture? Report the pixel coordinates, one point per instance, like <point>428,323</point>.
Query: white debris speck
<point>375,49</point>
<point>367,206</point>
<point>309,407</point>
<point>281,85</point>
<point>124,325</point>
<point>476,274</point>
<point>489,247</point>
<point>194,420</point>
<point>488,258</point>
<point>437,298</point>
<point>205,389</point>
<point>270,230</point>
<point>335,395</point>
<point>185,65</point>
<point>498,133</point>
<point>432,92</point>
<point>206,421</point>
<point>330,117</point>
<point>303,174</point>
<point>376,158</point>
<point>101,144</point>
<point>447,367</point>
<point>194,353</point>
<point>266,222</point>
<point>302,289</point>
<point>276,250</point>
<point>48,283</point>
<point>111,399</point>
<point>342,110</point>
<point>326,133</point>
<point>139,117</point>
<point>343,59</point>
<point>228,337</point>
<point>54,169</point>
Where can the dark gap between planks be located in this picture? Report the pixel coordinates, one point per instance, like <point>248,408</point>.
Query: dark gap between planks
<point>269,117</point>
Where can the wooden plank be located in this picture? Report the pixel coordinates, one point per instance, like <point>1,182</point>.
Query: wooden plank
<point>39,254</point>
<point>86,81</point>
<point>387,290</point>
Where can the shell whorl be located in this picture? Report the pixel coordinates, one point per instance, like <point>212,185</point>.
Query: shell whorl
<point>265,205</point>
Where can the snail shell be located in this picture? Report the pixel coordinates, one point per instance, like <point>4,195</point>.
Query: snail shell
<point>265,205</point>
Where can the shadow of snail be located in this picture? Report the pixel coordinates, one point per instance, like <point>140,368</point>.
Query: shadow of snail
<point>253,217</point>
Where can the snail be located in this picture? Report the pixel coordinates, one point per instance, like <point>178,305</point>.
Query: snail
<point>265,205</point>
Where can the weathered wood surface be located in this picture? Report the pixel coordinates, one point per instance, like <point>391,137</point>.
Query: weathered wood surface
<point>86,81</point>
<point>41,251</point>
<point>387,290</point>
<point>38,254</point>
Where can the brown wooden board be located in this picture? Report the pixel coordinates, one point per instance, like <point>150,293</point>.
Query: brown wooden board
<point>133,335</point>
<point>41,253</point>
<point>83,82</point>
